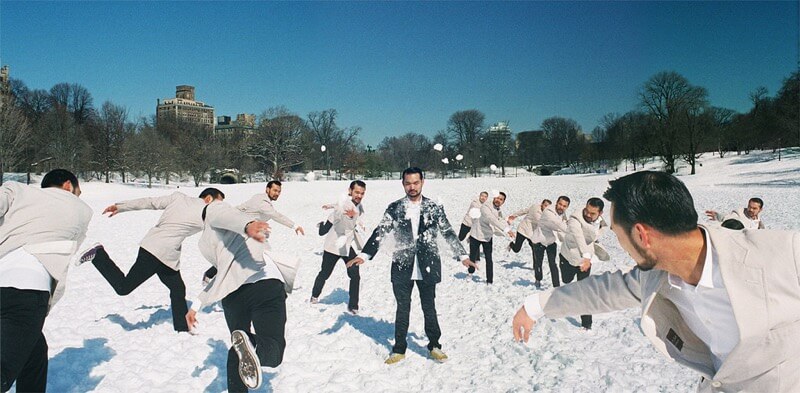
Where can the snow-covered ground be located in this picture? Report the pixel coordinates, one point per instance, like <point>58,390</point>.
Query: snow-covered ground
<point>102,342</point>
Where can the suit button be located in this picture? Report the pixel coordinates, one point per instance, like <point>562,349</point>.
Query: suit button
<point>716,384</point>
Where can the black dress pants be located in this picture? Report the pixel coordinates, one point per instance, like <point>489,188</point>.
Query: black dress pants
<point>23,348</point>
<point>261,304</point>
<point>146,266</point>
<point>427,296</point>
<point>475,255</point>
<point>328,263</point>
<point>568,272</point>
<point>463,232</point>
<point>538,259</point>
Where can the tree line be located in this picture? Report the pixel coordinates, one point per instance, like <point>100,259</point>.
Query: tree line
<point>673,121</point>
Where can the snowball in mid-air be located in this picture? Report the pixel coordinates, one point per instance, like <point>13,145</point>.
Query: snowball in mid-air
<point>475,212</point>
<point>438,147</point>
<point>459,157</point>
<point>323,148</point>
<point>493,167</point>
<point>311,176</point>
<point>445,160</point>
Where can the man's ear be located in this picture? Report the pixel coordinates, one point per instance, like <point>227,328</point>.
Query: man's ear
<point>641,233</point>
<point>67,186</point>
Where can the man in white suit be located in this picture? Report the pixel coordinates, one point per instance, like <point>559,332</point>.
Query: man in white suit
<point>160,250</point>
<point>40,229</point>
<point>723,303</point>
<point>344,241</point>
<point>748,216</point>
<point>482,233</point>
<point>577,250</point>
<point>529,230</point>
<point>474,205</point>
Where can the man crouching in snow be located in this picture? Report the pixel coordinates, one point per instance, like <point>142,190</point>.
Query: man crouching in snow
<point>251,288</point>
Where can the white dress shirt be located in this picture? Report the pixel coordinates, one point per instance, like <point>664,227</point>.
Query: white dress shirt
<point>413,210</point>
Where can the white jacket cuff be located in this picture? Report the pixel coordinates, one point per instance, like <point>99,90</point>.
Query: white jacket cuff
<point>533,308</point>
<point>196,305</point>
<point>587,255</point>
<point>364,256</point>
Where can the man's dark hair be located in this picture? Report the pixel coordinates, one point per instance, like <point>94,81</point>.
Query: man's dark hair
<point>733,223</point>
<point>504,195</point>
<point>357,183</point>
<point>549,202</point>
<point>275,182</point>
<point>411,171</point>
<point>657,199</point>
<point>57,177</point>
<point>757,200</point>
<point>564,198</point>
<point>596,202</point>
<point>215,193</point>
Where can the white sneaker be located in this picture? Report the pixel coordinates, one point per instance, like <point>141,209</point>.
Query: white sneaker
<point>88,255</point>
<point>249,365</point>
<point>313,300</point>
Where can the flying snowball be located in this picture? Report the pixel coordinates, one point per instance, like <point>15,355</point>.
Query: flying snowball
<point>323,148</point>
<point>493,167</point>
<point>445,160</point>
<point>475,213</point>
<point>438,147</point>
<point>311,176</point>
<point>459,157</point>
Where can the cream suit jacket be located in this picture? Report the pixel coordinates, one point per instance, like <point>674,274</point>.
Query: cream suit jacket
<point>761,273</point>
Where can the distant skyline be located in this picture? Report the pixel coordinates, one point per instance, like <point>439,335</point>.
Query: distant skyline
<point>397,67</point>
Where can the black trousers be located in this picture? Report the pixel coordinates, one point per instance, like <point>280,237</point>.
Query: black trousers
<point>568,272</point>
<point>146,266</point>
<point>427,296</point>
<point>475,255</point>
<point>328,263</point>
<point>261,304</point>
<point>538,259</point>
<point>23,348</point>
<point>463,232</point>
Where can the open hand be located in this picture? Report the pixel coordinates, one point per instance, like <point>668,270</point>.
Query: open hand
<point>522,324</point>
<point>355,261</point>
<point>113,209</point>
<point>257,230</point>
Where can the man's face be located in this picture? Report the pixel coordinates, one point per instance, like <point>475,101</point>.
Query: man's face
<point>274,192</point>
<point>483,197</point>
<point>412,184</point>
<point>591,213</point>
<point>357,194</point>
<point>545,204</point>
<point>645,260</point>
<point>753,209</point>
<point>561,206</point>
<point>499,201</point>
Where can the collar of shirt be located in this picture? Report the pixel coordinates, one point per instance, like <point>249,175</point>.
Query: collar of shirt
<point>707,276</point>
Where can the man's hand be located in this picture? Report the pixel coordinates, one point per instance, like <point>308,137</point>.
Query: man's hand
<point>511,218</point>
<point>191,319</point>
<point>586,264</point>
<point>350,213</point>
<point>355,261</point>
<point>328,206</point>
<point>522,324</point>
<point>468,263</point>
<point>712,215</point>
<point>300,231</point>
<point>113,209</point>
<point>257,230</point>
<point>512,235</point>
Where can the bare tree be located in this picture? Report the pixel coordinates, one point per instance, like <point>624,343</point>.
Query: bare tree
<point>669,98</point>
<point>14,132</point>
<point>110,138</point>
<point>410,149</point>
<point>562,137</point>
<point>147,150</point>
<point>337,141</point>
<point>467,129</point>
<point>75,99</point>
<point>278,142</point>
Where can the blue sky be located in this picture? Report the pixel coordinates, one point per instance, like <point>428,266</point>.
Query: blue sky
<point>397,67</point>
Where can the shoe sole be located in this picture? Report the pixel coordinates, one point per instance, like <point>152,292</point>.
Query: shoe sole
<point>247,357</point>
<point>394,361</point>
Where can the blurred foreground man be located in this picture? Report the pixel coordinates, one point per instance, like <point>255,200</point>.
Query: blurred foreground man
<point>723,303</point>
<point>40,230</point>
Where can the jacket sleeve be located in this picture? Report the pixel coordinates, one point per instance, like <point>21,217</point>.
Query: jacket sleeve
<point>220,215</point>
<point>575,230</point>
<point>383,229</point>
<point>491,216</point>
<point>595,294</point>
<point>269,211</point>
<point>447,232</point>
<point>552,222</point>
<point>156,203</point>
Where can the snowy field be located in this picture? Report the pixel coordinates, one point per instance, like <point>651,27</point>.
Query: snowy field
<point>102,342</point>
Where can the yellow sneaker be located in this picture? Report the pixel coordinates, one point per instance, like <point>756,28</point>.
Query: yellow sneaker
<point>394,358</point>
<point>438,355</point>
